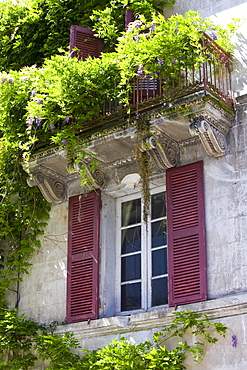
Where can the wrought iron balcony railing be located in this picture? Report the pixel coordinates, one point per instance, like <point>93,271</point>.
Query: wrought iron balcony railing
<point>211,77</point>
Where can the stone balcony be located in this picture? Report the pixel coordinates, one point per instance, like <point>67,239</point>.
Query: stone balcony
<point>195,105</point>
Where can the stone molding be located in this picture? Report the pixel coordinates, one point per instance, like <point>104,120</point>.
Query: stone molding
<point>218,308</point>
<point>52,152</point>
<point>52,185</point>
<point>213,139</point>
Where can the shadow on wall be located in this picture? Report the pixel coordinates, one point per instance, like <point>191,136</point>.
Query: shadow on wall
<point>206,8</point>
<point>239,67</point>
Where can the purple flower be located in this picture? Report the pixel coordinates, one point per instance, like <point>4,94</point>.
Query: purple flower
<point>182,75</point>
<point>136,38</point>
<point>25,79</point>
<point>3,80</point>
<point>38,121</point>
<point>160,62</point>
<point>33,93</point>
<point>138,116</point>
<point>174,61</point>
<point>64,141</point>
<point>11,80</point>
<point>214,36</point>
<point>152,28</point>
<point>138,25</point>
<point>140,70</point>
<point>99,19</point>
<point>39,101</point>
<point>200,326</point>
<point>67,119</point>
<point>234,341</point>
<point>52,127</point>
<point>210,56</point>
<point>30,121</point>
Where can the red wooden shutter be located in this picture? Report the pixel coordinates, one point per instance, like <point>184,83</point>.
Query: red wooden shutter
<point>129,15</point>
<point>83,246</point>
<point>186,234</point>
<point>85,41</point>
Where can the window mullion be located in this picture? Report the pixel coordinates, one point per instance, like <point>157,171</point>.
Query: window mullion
<point>148,256</point>
<point>145,263</point>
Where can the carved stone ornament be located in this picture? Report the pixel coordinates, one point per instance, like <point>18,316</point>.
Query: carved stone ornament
<point>213,140</point>
<point>51,184</point>
<point>164,156</point>
<point>96,179</point>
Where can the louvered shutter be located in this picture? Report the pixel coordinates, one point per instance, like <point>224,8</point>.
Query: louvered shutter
<point>85,41</point>
<point>146,87</point>
<point>186,234</point>
<point>129,15</point>
<point>83,246</point>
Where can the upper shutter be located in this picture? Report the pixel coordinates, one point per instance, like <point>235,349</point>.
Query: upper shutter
<point>129,15</point>
<point>85,41</point>
<point>83,247</point>
<point>186,234</point>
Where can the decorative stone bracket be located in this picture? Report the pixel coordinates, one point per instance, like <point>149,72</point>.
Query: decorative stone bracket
<point>52,185</point>
<point>164,155</point>
<point>213,139</point>
<point>95,179</point>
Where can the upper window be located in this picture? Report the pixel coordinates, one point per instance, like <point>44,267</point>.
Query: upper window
<point>142,257</point>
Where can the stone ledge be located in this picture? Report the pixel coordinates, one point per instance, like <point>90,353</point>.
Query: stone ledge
<point>216,309</point>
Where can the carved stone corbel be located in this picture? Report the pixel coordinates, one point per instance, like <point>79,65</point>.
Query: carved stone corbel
<point>164,155</point>
<point>95,179</point>
<point>213,140</point>
<point>51,184</point>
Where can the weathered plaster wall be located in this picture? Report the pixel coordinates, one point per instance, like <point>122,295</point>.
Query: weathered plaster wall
<point>43,291</point>
<point>225,180</point>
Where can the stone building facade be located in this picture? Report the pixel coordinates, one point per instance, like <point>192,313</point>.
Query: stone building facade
<point>196,138</point>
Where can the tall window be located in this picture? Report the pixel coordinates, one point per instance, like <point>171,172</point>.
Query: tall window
<point>143,254</point>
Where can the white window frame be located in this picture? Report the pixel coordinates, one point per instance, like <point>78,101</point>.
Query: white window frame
<point>146,255</point>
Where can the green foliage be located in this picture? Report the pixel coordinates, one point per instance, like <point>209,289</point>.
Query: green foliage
<point>168,46</point>
<point>110,22</point>
<point>37,29</point>
<point>23,342</point>
<point>198,325</point>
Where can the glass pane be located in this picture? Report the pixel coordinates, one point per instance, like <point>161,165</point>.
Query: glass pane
<point>131,267</point>
<point>159,292</point>
<point>131,212</point>
<point>159,262</point>
<point>158,205</point>
<point>131,240</point>
<point>130,297</point>
<point>159,236</point>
